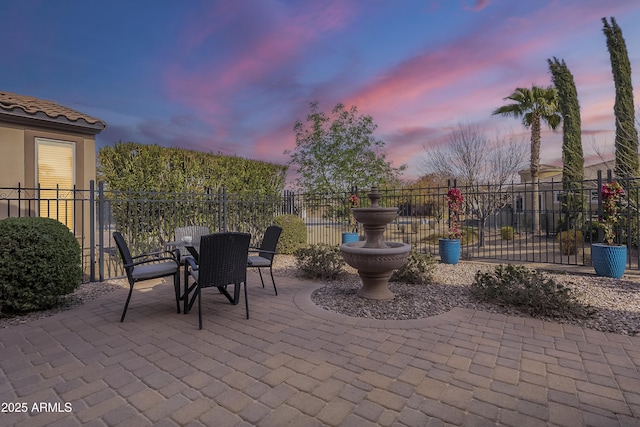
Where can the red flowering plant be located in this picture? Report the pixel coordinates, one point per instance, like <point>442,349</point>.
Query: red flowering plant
<point>611,200</point>
<point>455,199</point>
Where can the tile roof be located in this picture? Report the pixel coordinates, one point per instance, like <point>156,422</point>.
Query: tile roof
<point>36,107</point>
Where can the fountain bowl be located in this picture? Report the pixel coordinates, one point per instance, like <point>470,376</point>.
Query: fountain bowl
<point>377,216</point>
<point>375,266</point>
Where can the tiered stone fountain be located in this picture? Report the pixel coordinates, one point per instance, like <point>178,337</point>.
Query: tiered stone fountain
<point>374,258</point>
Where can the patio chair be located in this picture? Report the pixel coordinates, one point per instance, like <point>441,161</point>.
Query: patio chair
<point>148,266</point>
<point>266,252</point>
<point>196,232</point>
<point>222,262</point>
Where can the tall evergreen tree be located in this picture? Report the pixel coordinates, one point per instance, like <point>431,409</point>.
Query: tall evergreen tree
<point>572,155</point>
<point>626,134</point>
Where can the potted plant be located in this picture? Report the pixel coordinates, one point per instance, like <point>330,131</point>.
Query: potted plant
<point>352,235</point>
<point>449,248</point>
<point>609,259</point>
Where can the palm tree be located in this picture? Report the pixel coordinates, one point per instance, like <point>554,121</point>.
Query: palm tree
<point>534,106</point>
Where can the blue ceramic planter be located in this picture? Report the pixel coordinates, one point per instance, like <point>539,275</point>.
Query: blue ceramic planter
<point>609,261</point>
<point>349,237</point>
<point>449,250</point>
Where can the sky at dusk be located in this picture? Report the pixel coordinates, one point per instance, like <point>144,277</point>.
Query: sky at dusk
<point>233,76</point>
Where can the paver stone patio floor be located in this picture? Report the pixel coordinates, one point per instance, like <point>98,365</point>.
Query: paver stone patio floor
<point>295,364</point>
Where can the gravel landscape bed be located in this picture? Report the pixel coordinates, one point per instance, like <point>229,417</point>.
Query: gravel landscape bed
<point>610,305</point>
<point>607,305</point>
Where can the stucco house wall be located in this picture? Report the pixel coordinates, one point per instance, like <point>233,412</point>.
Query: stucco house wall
<point>25,120</point>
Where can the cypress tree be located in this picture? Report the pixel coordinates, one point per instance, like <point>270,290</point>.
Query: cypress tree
<point>572,155</point>
<point>626,143</point>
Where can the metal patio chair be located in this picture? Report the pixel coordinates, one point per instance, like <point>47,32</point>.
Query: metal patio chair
<point>266,252</point>
<point>148,266</point>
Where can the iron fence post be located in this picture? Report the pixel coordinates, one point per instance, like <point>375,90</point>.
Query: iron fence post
<point>101,214</point>
<point>92,232</point>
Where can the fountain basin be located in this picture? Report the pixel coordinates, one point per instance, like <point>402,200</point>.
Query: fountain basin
<point>375,266</point>
<point>377,216</point>
<point>374,221</point>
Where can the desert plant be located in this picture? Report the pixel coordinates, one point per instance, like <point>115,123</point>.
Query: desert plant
<point>40,262</point>
<point>529,290</point>
<point>417,270</point>
<point>454,203</point>
<point>320,261</point>
<point>612,194</point>
<point>507,233</point>
<point>294,233</point>
<point>568,241</point>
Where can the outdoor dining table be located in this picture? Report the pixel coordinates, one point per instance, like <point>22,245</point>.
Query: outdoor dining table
<point>192,247</point>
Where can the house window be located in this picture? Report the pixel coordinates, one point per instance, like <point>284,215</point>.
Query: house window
<point>55,166</point>
<point>519,204</point>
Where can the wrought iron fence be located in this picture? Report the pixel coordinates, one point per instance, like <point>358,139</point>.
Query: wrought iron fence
<point>73,207</point>
<point>497,220</point>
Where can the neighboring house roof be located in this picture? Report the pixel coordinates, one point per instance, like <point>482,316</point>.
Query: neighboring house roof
<point>35,111</point>
<point>546,172</point>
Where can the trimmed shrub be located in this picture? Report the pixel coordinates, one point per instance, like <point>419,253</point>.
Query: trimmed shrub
<point>40,262</point>
<point>529,290</point>
<point>507,233</point>
<point>418,269</point>
<point>320,261</point>
<point>294,233</point>
<point>568,241</point>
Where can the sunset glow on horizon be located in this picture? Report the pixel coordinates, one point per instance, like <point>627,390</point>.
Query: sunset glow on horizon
<point>233,76</point>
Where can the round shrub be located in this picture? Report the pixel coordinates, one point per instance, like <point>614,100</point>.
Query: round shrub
<point>507,233</point>
<point>294,233</point>
<point>40,262</point>
<point>320,261</point>
<point>417,270</point>
<point>568,241</point>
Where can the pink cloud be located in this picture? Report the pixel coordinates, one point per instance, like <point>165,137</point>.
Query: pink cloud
<point>464,80</point>
<point>478,6</point>
<point>270,146</point>
<point>273,47</point>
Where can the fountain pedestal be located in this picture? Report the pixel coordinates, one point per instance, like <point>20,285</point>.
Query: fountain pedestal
<point>374,258</point>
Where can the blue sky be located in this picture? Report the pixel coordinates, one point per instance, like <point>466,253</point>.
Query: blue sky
<point>233,76</point>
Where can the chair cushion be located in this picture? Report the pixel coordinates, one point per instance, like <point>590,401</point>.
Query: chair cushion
<point>184,258</point>
<point>258,261</point>
<point>194,274</point>
<point>151,271</point>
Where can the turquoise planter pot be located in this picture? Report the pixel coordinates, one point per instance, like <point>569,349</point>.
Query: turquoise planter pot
<point>609,261</point>
<point>449,250</point>
<point>349,237</point>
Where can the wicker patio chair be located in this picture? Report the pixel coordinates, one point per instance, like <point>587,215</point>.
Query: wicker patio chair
<point>195,231</point>
<point>222,261</point>
<point>266,252</point>
<point>148,266</point>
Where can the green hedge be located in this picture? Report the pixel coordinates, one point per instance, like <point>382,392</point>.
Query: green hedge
<point>129,166</point>
<point>40,262</point>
